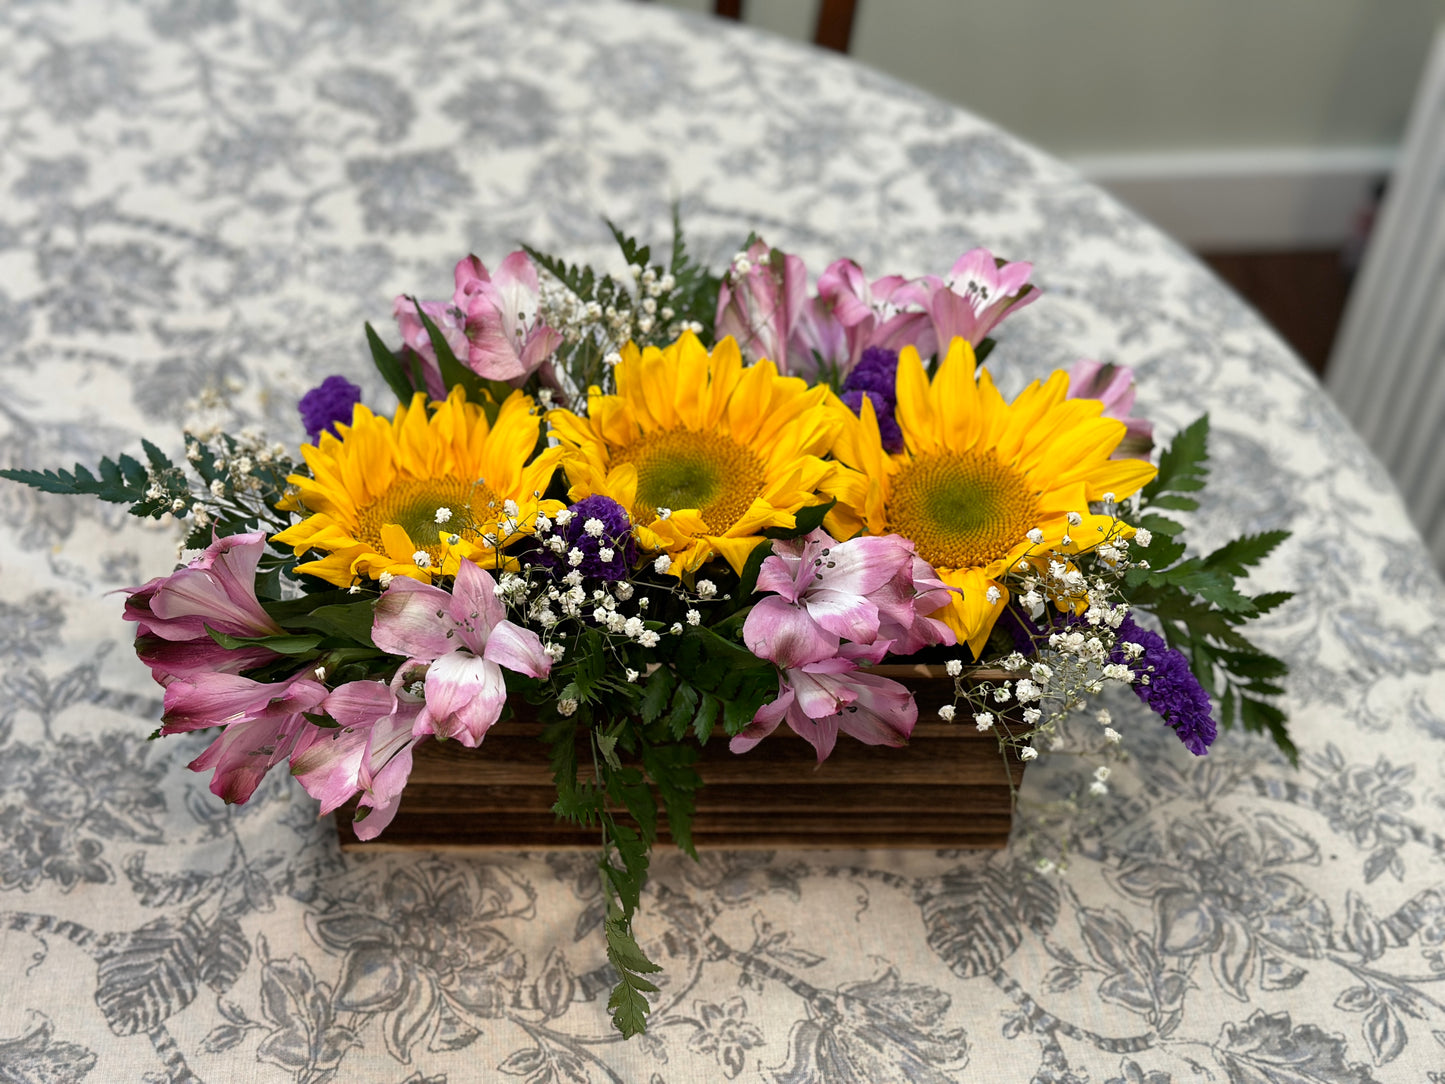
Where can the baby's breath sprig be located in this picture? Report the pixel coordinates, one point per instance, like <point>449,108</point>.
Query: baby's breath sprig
<point>597,314</point>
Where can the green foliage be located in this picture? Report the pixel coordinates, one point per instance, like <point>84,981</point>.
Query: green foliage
<point>806,520</point>
<point>670,767</point>
<point>628,1002</point>
<point>748,581</point>
<point>401,385</point>
<point>643,763</point>
<point>1197,600</point>
<point>694,295</point>
<point>282,645</point>
<point>123,480</point>
<point>1183,469</point>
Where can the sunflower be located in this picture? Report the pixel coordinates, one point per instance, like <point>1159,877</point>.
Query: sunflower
<point>414,494</point>
<point>703,453</point>
<point>977,475</point>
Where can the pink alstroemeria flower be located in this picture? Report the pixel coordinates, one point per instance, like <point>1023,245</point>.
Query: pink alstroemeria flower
<point>975,296</point>
<point>1113,385</point>
<point>868,591</point>
<point>760,306</point>
<point>490,324</point>
<point>836,605</point>
<point>370,752</point>
<point>822,698</point>
<point>262,721</point>
<point>217,589</point>
<point>464,640</point>
<point>886,312</point>
<point>506,339</point>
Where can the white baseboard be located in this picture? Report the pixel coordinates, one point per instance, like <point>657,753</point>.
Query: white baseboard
<point>1251,199</point>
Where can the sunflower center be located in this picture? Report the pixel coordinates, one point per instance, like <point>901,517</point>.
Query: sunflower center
<point>678,468</point>
<point>412,504</point>
<point>961,510</point>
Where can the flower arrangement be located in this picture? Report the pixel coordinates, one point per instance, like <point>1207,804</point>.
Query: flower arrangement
<point>662,504</point>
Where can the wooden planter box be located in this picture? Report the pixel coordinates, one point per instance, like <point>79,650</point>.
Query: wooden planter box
<point>948,788</point>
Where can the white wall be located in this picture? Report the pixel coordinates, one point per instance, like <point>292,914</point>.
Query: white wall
<point>1230,121</point>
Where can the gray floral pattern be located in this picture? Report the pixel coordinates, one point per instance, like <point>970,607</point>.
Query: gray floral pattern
<point>205,199</point>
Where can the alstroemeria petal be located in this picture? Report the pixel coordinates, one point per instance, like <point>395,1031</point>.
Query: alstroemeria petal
<point>884,712</point>
<point>517,649</point>
<point>783,633</point>
<point>821,734</point>
<point>475,602</point>
<point>244,753</point>
<point>765,721</point>
<point>849,616</point>
<point>360,703</point>
<point>464,696</point>
<point>405,620</point>
<point>330,764</point>
<point>385,794</point>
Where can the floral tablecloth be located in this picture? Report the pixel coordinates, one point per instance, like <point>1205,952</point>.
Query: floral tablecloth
<point>202,202</point>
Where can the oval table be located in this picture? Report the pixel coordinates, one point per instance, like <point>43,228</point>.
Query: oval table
<point>203,201</point>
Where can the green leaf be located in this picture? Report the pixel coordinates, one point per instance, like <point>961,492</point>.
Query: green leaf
<point>320,718</point>
<point>589,658</point>
<point>123,481</point>
<point>607,745</point>
<point>759,688</point>
<point>632,849</point>
<point>805,521</point>
<point>1270,600</point>
<point>389,368</point>
<point>632,252</point>
<point>580,280</point>
<point>748,581</point>
<point>628,1004</point>
<point>1161,525</point>
<point>283,645</point>
<point>628,787</point>
<point>1183,466</point>
<point>702,723</point>
<point>656,694</point>
<point>1241,554</point>
<point>1175,502</point>
<point>684,707</point>
<point>670,767</point>
<point>711,646</point>
<point>159,461</point>
<point>1258,716</point>
<point>624,952</point>
<point>352,621</point>
<point>1250,664</point>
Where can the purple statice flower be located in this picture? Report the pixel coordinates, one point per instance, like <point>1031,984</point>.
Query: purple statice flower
<point>325,405</point>
<point>877,370</point>
<point>875,377</point>
<point>599,528</point>
<point>1173,691</point>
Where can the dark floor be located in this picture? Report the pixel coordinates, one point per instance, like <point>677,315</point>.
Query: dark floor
<point>1301,293</point>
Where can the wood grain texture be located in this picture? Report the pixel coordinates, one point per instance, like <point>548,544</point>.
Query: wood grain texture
<point>949,787</point>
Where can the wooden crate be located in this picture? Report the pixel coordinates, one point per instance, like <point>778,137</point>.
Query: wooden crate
<point>948,788</point>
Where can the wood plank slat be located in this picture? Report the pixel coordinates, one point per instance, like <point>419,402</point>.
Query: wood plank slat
<point>949,787</point>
